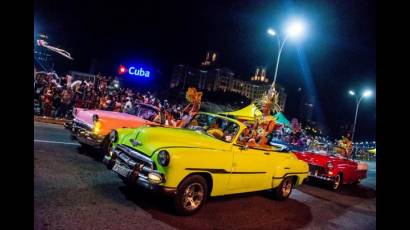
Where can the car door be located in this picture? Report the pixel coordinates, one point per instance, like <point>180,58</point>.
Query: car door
<point>250,169</point>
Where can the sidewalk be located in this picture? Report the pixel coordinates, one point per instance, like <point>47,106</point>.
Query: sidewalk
<point>50,120</point>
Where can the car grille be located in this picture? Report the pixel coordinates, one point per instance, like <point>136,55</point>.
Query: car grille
<point>130,157</point>
<point>313,168</point>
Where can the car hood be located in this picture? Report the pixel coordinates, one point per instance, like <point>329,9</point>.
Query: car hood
<point>110,120</point>
<point>316,158</point>
<point>154,138</point>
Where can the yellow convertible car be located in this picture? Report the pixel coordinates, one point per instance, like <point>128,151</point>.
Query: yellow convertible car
<point>208,157</point>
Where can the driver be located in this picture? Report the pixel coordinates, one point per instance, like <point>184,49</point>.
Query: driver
<point>215,129</point>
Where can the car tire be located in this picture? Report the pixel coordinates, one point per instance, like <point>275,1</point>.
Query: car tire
<point>283,191</point>
<point>85,147</point>
<point>108,163</point>
<point>337,182</point>
<point>191,195</point>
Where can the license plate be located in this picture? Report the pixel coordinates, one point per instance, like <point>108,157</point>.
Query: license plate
<point>123,171</point>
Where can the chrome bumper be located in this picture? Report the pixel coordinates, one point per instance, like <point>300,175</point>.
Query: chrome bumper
<point>321,177</point>
<point>85,135</point>
<point>139,171</point>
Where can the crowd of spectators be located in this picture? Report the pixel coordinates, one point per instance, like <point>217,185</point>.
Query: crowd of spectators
<point>56,97</point>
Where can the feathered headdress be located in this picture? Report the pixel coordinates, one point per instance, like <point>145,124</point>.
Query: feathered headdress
<point>270,100</point>
<point>193,96</point>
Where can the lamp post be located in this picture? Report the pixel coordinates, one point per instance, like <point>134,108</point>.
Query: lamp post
<point>293,30</point>
<point>366,93</point>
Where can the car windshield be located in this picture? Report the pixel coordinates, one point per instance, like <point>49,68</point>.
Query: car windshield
<point>144,112</point>
<point>327,149</point>
<point>214,126</point>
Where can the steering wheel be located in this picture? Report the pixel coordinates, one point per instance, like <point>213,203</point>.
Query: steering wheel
<point>217,133</point>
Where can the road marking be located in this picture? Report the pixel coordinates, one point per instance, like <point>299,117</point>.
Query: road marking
<point>57,142</point>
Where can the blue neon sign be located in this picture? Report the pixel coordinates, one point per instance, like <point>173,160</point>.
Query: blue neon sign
<point>136,71</point>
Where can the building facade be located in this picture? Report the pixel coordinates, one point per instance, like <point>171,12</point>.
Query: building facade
<point>210,77</point>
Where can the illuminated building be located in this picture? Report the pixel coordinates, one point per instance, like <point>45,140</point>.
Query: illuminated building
<point>210,59</point>
<point>210,77</point>
<point>260,75</point>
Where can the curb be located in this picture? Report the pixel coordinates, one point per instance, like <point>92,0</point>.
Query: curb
<point>49,120</point>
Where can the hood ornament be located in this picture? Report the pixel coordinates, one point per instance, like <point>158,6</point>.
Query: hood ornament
<point>135,142</point>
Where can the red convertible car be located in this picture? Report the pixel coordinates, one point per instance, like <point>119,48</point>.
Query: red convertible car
<point>328,163</point>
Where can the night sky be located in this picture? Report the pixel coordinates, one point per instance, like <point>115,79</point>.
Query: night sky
<point>338,52</point>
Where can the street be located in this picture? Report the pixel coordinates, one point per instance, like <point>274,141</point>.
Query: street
<point>74,190</point>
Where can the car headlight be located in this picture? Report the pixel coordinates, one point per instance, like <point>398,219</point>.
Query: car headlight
<point>163,158</point>
<point>97,127</point>
<point>114,136</point>
<point>154,177</point>
<point>330,165</point>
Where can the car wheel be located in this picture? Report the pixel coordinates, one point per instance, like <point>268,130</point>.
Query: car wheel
<point>191,195</point>
<point>109,163</point>
<point>337,182</point>
<point>283,191</point>
<point>84,146</point>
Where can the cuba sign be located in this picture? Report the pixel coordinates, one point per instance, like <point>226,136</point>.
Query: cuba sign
<point>132,70</point>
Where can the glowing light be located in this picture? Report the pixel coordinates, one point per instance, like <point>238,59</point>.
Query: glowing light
<point>132,70</point>
<point>97,127</point>
<point>122,69</point>
<point>351,92</point>
<point>271,32</point>
<point>367,93</point>
<point>295,28</point>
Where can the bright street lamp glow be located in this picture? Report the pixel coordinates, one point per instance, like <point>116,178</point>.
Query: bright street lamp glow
<point>271,32</point>
<point>351,92</point>
<point>295,29</point>
<point>367,93</point>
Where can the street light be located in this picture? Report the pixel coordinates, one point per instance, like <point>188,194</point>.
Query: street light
<point>365,94</point>
<point>271,32</point>
<point>293,30</point>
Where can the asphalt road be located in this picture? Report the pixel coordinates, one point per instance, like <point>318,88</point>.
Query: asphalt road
<point>73,190</point>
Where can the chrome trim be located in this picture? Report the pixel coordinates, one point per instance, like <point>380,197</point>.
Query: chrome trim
<point>142,174</point>
<point>133,159</point>
<point>136,154</point>
<point>321,177</point>
<point>84,134</point>
<point>81,123</point>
